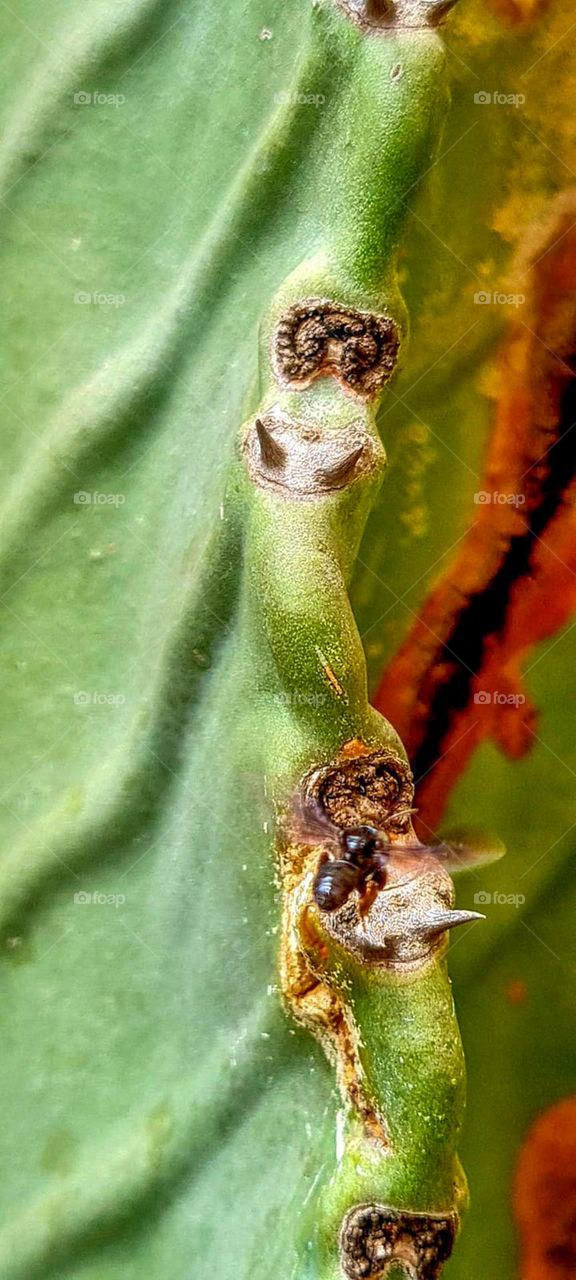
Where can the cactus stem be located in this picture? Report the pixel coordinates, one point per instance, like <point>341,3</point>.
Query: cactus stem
<point>367,977</point>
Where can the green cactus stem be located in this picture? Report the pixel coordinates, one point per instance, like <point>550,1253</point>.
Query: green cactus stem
<point>387,968</point>
<point>371,984</point>
<point>374,989</point>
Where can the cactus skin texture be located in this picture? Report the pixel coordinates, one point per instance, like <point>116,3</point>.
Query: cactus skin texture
<point>411,1071</point>
<point>374,988</point>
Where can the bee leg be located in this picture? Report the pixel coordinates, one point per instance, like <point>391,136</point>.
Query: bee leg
<point>368,895</point>
<point>379,868</point>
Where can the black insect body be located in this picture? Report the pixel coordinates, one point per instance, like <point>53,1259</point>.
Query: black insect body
<point>334,882</point>
<point>364,858</point>
<point>356,858</point>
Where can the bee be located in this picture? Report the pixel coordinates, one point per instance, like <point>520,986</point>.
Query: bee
<point>357,858</point>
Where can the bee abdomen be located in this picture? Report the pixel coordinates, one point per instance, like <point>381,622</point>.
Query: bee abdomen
<point>334,883</point>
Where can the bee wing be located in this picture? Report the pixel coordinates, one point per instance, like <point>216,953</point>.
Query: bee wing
<point>457,853</point>
<point>310,824</point>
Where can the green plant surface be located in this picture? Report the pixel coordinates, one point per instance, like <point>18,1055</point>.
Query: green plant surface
<point>163,1115</point>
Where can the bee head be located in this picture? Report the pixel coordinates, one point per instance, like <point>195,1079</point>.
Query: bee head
<point>361,843</point>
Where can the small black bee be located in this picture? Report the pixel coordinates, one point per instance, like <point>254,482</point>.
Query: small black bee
<point>358,856</point>
<point>364,858</point>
